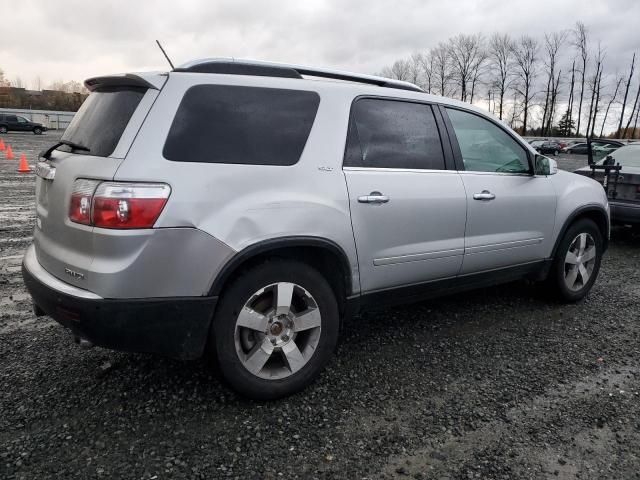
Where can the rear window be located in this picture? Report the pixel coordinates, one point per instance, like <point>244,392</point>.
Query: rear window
<point>241,125</point>
<point>100,121</point>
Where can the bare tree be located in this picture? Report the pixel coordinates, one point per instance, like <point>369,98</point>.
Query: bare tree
<point>465,52</point>
<point>626,92</point>
<point>552,44</point>
<point>555,87</point>
<point>525,54</point>
<point>501,64</point>
<point>428,69</point>
<point>415,68</point>
<point>441,69</point>
<point>611,100</point>
<point>478,70</point>
<point>595,92</point>
<point>633,111</point>
<point>581,43</point>
<point>635,125</point>
<point>569,113</point>
<point>400,70</point>
<point>3,81</point>
<point>17,82</point>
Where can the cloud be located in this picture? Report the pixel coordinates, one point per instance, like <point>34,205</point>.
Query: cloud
<point>78,39</point>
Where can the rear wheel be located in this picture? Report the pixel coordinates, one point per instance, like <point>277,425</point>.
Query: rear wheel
<point>275,329</point>
<point>577,261</point>
<point>3,129</point>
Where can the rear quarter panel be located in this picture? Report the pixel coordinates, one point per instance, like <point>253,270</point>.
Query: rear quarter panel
<point>241,205</point>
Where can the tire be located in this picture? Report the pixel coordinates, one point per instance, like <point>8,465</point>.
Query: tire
<point>3,129</point>
<point>555,153</point>
<point>566,279</point>
<point>37,131</point>
<point>291,359</point>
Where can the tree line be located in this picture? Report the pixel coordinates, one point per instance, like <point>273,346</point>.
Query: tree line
<point>558,83</point>
<point>59,95</point>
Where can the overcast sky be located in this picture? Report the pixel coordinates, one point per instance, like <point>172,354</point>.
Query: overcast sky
<point>68,39</point>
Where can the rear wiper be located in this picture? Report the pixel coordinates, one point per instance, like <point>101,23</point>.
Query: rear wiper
<point>75,146</point>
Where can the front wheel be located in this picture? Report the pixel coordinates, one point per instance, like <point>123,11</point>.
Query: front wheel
<point>555,153</point>
<point>275,329</point>
<point>37,131</point>
<point>577,261</point>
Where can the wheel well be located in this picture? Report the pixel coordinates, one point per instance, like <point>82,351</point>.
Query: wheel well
<point>594,214</point>
<point>331,262</point>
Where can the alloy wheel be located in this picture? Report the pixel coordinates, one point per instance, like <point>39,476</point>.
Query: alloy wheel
<point>579,261</point>
<point>278,330</point>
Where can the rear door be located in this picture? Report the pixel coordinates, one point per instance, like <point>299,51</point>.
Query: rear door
<point>105,124</point>
<point>510,211</point>
<point>12,122</point>
<point>408,210</point>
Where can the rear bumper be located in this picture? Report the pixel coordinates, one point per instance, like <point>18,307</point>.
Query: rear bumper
<point>177,326</point>
<point>625,212</point>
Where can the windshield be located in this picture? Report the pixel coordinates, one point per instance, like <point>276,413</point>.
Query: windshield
<point>102,118</point>
<point>628,156</point>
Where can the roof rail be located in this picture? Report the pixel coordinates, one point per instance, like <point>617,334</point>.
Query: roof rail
<point>271,69</point>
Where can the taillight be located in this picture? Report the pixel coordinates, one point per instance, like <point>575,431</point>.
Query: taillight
<point>120,205</point>
<point>81,196</point>
<point>128,205</point>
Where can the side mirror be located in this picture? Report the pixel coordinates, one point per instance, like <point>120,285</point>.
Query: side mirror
<point>545,165</point>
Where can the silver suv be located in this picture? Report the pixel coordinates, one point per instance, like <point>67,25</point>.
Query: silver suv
<point>242,209</point>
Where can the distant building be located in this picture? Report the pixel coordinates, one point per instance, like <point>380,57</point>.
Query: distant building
<point>21,98</point>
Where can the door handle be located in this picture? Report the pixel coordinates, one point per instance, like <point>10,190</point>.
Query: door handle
<point>484,195</point>
<point>373,197</point>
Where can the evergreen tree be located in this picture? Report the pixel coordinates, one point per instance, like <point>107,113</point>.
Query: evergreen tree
<point>566,126</point>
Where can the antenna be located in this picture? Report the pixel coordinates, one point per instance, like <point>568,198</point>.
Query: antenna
<point>165,54</point>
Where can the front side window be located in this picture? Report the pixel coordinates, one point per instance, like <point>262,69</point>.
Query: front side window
<point>241,125</point>
<point>393,134</point>
<point>485,147</point>
<point>22,120</point>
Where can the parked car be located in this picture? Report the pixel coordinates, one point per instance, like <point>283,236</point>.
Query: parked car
<point>625,206</point>
<point>578,148</point>
<point>550,146</point>
<point>16,123</point>
<point>301,202</point>
<point>601,147</point>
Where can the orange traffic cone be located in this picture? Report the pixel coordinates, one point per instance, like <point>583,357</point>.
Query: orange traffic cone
<point>2,147</point>
<point>24,166</point>
<point>9,153</point>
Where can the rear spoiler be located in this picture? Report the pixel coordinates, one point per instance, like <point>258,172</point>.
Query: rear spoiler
<point>154,81</point>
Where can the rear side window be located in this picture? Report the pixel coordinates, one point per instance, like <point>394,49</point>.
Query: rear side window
<point>241,125</point>
<point>100,121</point>
<point>393,134</point>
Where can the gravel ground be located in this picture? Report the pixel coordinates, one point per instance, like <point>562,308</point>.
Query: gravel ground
<point>498,383</point>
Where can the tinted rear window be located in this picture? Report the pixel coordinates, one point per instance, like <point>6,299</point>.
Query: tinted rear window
<point>393,134</point>
<point>241,125</point>
<point>102,118</point>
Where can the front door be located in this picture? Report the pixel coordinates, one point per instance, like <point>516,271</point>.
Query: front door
<point>23,124</point>
<point>510,211</point>
<point>408,211</point>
